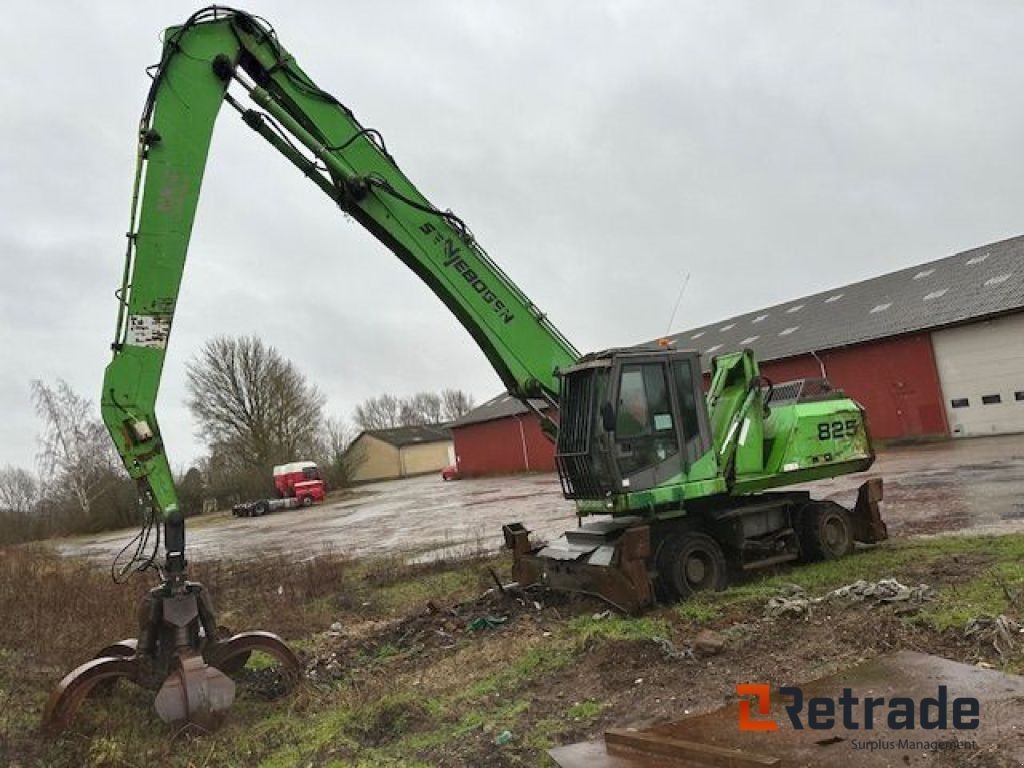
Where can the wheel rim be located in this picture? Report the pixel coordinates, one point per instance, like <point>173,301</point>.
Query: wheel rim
<point>834,533</point>
<point>698,570</point>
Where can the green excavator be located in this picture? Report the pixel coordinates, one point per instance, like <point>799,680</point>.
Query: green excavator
<point>683,482</point>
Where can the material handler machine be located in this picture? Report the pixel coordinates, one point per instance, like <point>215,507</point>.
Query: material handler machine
<point>685,484</point>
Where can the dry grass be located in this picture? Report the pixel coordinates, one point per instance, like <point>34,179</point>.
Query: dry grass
<point>407,682</point>
<point>54,610</point>
<point>62,611</point>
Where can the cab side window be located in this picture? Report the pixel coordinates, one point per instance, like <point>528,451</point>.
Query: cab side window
<point>691,398</point>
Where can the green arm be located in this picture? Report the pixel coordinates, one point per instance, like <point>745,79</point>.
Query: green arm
<point>323,139</point>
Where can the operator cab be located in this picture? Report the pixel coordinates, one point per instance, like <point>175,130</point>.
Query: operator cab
<point>630,420</point>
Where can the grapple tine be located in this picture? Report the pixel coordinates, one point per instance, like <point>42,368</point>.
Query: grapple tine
<point>195,692</point>
<point>71,691</point>
<point>868,526</point>
<point>121,649</point>
<point>230,655</point>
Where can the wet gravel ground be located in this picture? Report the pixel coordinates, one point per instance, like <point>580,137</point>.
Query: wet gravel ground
<point>970,485</point>
<point>420,513</point>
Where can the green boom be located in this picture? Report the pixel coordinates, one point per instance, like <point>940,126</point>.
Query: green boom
<point>347,161</point>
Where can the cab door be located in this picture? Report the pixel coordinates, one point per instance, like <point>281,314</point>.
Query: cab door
<point>646,436</point>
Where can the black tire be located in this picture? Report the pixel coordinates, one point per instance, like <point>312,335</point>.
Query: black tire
<point>262,508</point>
<point>307,501</point>
<point>689,562</point>
<point>826,532</point>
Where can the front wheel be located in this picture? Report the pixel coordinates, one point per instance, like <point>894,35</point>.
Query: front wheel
<point>688,563</point>
<point>826,532</point>
<point>307,501</point>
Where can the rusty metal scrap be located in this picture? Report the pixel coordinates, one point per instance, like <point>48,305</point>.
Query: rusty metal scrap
<point>714,739</point>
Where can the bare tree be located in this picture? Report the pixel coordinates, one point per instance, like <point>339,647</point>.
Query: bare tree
<point>252,403</point>
<point>337,461</point>
<point>337,436</point>
<point>421,408</point>
<point>455,403</point>
<point>190,489</point>
<point>383,412</point>
<point>388,411</point>
<point>18,490</point>
<point>76,450</point>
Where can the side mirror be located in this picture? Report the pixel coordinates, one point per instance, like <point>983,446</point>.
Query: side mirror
<point>607,417</point>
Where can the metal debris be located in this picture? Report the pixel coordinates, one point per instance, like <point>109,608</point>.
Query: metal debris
<point>789,606</point>
<point>1003,632</point>
<point>714,739</point>
<point>671,652</point>
<point>486,622</point>
<point>795,601</point>
<point>884,591</point>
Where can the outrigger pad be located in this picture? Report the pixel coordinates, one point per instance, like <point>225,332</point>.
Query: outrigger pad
<point>868,526</point>
<point>607,559</point>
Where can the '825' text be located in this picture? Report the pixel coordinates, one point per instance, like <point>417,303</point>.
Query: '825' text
<point>833,430</point>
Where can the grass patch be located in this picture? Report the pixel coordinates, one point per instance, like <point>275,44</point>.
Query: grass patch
<point>443,586</point>
<point>998,589</point>
<point>384,720</point>
<point>698,610</point>
<point>588,709</point>
<point>528,666</point>
<point>892,559</point>
<point>586,629</point>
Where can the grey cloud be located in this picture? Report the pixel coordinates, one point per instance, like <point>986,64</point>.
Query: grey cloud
<point>599,151</point>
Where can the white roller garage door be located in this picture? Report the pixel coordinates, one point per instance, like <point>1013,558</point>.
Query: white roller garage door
<point>981,369</point>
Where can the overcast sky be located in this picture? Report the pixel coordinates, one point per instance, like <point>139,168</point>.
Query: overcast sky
<point>599,151</point>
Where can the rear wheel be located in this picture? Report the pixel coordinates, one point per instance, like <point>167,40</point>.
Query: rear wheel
<point>690,562</point>
<point>826,532</point>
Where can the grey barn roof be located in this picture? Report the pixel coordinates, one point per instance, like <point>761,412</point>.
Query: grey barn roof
<point>982,282</point>
<point>402,436</point>
<point>498,407</point>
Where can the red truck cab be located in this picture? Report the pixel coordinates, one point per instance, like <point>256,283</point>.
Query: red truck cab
<point>300,480</point>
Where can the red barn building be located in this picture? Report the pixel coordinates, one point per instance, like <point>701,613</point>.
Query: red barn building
<point>931,351</point>
<point>935,350</point>
<point>499,437</point>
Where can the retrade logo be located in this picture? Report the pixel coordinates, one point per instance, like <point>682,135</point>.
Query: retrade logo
<point>762,693</point>
<point>821,713</point>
